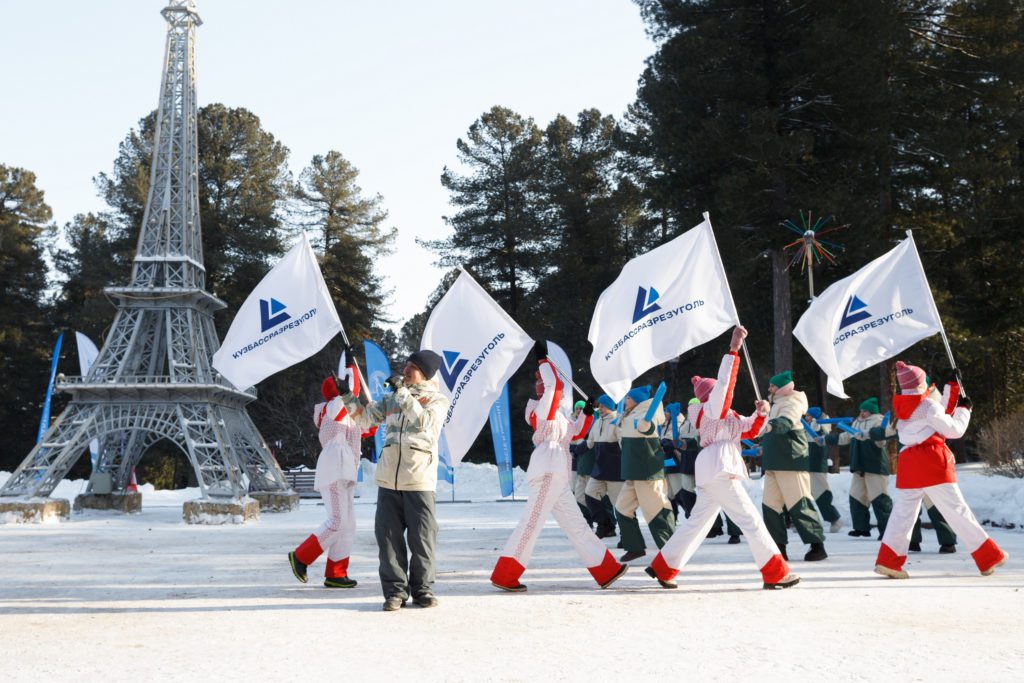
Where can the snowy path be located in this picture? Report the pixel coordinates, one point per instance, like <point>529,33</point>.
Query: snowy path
<point>146,597</point>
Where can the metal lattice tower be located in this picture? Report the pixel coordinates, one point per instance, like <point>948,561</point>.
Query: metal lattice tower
<point>152,379</point>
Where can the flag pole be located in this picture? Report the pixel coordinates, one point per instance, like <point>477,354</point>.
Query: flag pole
<point>942,328</point>
<point>721,267</point>
<point>567,378</point>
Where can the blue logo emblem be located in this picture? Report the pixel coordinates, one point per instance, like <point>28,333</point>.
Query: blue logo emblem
<point>271,314</point>
<point>451,368</point>
<point>645,305</point>
<point>856,310</point>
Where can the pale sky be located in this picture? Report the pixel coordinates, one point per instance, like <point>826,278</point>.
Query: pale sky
<point>390,84</point>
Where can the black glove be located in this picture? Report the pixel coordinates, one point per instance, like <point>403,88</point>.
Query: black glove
<point>342,384</point>
<point>964,402</point>
<point>349,354</point>
<point>950,376</point>
<point>540,351</point>
<point>590,407</point>
<point>393,382</point>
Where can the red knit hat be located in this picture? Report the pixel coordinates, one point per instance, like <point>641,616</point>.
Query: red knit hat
<point>329,389</point>
<point>702,387</point>
<point>910,377</point>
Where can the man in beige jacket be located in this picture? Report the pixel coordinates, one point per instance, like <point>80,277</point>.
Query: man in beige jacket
<point>407,478</point>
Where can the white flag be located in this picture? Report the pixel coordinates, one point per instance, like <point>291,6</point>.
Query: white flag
<point>664,303</point>
<point>558,356</point>
<point>480,347</point>
<point>286,319</point>
<point>87,353</point>
<point>869,316</point>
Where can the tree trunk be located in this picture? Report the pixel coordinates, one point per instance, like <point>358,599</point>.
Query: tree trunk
<point>783,312</point>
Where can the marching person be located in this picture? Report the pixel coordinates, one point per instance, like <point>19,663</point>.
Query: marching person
<point>406,478</point>
<point>336,473</point>
<point>582,465</point>
<point>547,477</point>
<point>690,442</point>
<point>869,465</point>
<point>606,476</point>
<point>720,469</point>
<point>643,469</point>
<point>787,477</point>
<point>926,466</point>
<point>818,466</point>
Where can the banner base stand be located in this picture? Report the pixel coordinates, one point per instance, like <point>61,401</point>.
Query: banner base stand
<point>509,500</point>
<point>440,502</point>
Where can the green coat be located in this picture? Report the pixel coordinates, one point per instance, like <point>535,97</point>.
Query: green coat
<point>867,455</point>
<point>642,456</point>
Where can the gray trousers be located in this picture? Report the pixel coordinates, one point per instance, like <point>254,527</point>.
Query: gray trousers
<point>404,573</point>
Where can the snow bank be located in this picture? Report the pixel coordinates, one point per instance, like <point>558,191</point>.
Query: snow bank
<point>995,500</point>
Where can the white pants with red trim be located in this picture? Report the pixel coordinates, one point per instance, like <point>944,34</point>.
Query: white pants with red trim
<point>549,494</point>
<point>948,499</point>
<point>338,532</point>
<point>721,493</point>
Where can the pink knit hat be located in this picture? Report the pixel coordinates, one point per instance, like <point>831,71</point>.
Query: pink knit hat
<point>702,387</point>
<point>910,377</point>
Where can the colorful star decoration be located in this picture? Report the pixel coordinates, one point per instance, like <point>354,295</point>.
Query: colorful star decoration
<point>809,249</point>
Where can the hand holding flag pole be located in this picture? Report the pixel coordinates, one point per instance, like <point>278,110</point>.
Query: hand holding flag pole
<point>567,378</point>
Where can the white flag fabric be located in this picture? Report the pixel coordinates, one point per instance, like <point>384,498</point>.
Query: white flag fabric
<point>870,316</point>
<point>664,303</point>
<point>287,318</point>
<point>87,353</point>
<point>560,358</point>
<point>480,347</point>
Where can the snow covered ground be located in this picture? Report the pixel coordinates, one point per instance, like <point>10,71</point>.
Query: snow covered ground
<point>144,596</point>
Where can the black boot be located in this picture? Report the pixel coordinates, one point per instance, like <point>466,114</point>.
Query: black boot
<point>605,531</point>
<point>298,568</point>
<point>915,547</point>
<point>946,549</point>
<point>631,555</point>
<point>733,540</point>
<point>863,534</point>
<point>816,553</point>
<point>782,551</point>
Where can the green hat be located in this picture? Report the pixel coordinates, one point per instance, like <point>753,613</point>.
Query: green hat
<point>579,404</point>
<point>781,379</point>
<point>870,405</point>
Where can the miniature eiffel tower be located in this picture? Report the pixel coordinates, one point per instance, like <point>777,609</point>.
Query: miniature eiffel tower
<point>152,379</point>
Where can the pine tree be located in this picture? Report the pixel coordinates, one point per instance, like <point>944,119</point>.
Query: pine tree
<point>26,333</point>
<point>498,232</point>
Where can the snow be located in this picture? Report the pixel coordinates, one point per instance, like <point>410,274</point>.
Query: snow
<point>145,596</point>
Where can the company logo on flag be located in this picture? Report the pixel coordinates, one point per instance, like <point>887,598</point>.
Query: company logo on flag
<point>268,314</point>
<point>490,347</point>
<point>451,368</point>
<point>902,313</point>
<point>687,303</point>
<point>645,305</point>
<point>856,310</point>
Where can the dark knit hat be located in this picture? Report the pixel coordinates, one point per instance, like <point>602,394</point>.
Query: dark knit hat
<point>427,361</point>
<point>782,379</point>
<point>870,405</point>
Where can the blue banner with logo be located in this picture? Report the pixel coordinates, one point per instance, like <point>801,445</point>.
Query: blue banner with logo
<point>44,421</point>
<point>501,434</point>
<point>378,369</point>
<point>445,471</point>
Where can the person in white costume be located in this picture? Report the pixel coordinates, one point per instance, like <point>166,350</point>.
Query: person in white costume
<point>926,466</point>
<point>718,472</point>
<point>548,477</point>
<point>336,473</point>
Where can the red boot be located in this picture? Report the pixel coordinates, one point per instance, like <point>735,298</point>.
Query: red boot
<point>336,574</point>
<point>775,573</point>
<point>888,563</point>
<point>988,556</point>
<point>506,575</point>
<point>609,571</point>
<point>660,570</point>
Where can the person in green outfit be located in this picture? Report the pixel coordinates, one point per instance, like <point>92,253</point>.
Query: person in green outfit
<point>818,451</point>
<point>869,465</point>
<point>643,472</point>
<point>786,462</point>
